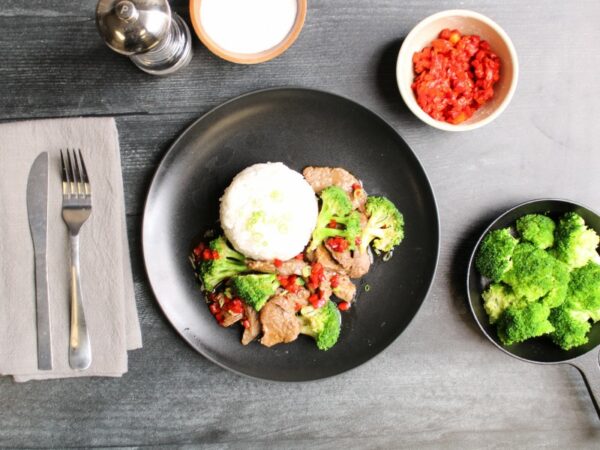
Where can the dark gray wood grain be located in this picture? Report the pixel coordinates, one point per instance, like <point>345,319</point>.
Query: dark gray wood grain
<point>441,384</point>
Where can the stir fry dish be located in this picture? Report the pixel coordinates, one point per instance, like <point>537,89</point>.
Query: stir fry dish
<point>291,245</point>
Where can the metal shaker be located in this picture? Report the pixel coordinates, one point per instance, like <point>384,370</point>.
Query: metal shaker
<point>157,40</point>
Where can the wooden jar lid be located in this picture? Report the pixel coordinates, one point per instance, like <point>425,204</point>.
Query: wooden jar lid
<point>248,58</point>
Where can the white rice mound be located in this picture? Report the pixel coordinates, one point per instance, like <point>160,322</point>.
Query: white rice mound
<point>269,211</point>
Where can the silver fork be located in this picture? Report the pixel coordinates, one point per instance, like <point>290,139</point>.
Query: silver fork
<point>76,209</point>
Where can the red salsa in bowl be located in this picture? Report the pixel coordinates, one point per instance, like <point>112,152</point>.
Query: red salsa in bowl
<point>454,76</point>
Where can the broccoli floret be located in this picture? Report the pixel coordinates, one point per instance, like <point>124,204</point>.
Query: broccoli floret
<point>495,252</point>
<point>572,319</point>
<point>537,229</point>
<point>496,298</point>
<point>557,294</point>
<point>336,206</point>
<point>385,226</point>
<point>255,289</point>
<point>571,326</point>
<point>323,324</point>
<point>584,290</point>
<point>532,274</point>
<point>519,324</point>
<point>575,244</point>
<point>228,264</point>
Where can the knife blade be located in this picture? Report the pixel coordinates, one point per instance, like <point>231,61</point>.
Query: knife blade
<point>37,210</point>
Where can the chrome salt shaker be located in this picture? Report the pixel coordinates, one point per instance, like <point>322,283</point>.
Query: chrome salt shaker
<point>157,40</point>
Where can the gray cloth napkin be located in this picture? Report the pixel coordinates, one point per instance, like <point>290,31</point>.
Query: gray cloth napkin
<point>107,281</point>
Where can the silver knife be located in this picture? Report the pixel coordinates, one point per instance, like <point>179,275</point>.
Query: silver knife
<point>37,210</point>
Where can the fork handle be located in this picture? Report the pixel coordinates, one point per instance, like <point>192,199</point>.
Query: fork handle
<point>80,352</point>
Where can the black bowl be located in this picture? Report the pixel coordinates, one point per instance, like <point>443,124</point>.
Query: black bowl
<point>539,350</point>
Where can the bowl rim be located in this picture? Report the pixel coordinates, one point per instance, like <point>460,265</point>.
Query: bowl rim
<point>248,58</point>
<point>407,93</point>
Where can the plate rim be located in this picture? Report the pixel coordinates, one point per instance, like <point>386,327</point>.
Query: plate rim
<point>169,155</point>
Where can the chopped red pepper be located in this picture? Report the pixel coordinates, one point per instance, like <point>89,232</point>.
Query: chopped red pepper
<point>278,263</point>
<point>317,274</point>
<point>297,307</point>
<point>334,281</point>
<point>246,323</point>
<point>214,308</point>
<point>344,306</point>
<point>454,76</point>
<point>332,224</point>
<point>356,186</point>
<point>214,254</point>
<point>299,256</point>
<point>338,244</point>
<point>317,300</point>
<point>198,250</point>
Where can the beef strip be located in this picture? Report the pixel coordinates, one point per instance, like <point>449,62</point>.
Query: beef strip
<point>289,267</point>
<point>253,330</point>
<point>320,178</point>
<point>229,319</point>
<point>322,256</point>
<point>355,263</point>
<point>278,320</point>
<point>361,263</point>
<point>345,289</point>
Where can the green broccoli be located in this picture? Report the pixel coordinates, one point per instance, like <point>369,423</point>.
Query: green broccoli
<point>385,226</point>
<point>255,289</point>
<point>584,290</point>
<point>571,326</point>
<point>575,244</point>
<point>572,319</point>
<point>336,206</point>
<point>496,298</point>
<point>532,274</point>
<point>228,264</point>
<point>537,229</point>
<point>519,324</point>
<point>323,324</point>
<point>558,292</point>
<point>495,252</point>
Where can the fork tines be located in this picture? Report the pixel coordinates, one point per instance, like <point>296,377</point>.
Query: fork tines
<point>75,181</point>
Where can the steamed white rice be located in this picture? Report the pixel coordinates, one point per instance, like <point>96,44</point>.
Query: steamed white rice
<point>269,211</point>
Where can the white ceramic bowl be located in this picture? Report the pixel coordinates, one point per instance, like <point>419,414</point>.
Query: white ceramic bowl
<point>467,22</point>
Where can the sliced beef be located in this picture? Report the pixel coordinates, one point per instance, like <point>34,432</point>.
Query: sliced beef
<point>320,178</point>
<point>345,290</point>
<point>344,258</point>
<point>278,320</point>
<point>322,256</point>
<point>361,263</point>
<point>253,330</point>
<point>289,267</point>
<point>355,263</point>
<point>229,319</point>
<point>300,297</point>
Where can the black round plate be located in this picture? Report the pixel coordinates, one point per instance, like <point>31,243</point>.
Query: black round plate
<point>539,350</point>
<point>298,127</point>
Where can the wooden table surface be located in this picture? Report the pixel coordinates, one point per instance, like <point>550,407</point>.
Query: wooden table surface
<point>441,384</point>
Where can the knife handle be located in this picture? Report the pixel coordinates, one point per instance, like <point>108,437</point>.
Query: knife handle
<point>80,352</point>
